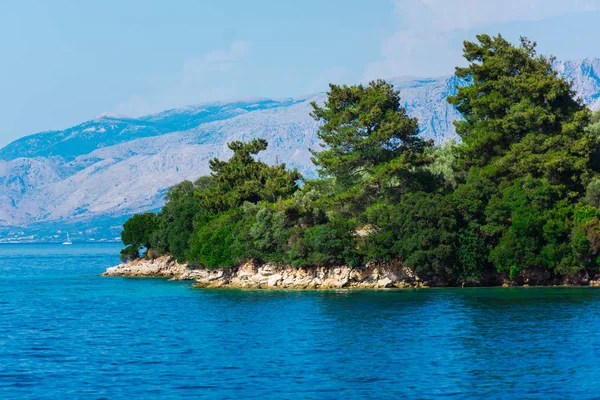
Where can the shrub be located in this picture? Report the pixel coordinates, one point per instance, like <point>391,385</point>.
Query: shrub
<point>130,253</point>
<point>331,243</point>
<point>139,230</point>
<point>215,244</point>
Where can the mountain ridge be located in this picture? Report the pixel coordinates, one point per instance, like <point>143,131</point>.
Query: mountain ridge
<point>113,166</point>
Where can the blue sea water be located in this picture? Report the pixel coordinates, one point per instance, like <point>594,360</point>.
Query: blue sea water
<point>66,332</point>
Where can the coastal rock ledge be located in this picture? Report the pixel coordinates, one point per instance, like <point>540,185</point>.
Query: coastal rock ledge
<point>267,276</point>
<point>371,276</point>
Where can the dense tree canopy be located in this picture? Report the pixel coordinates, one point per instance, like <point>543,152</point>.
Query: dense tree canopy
<point>526,157</point>
<point>177,218</point>
<point>371,148</point>
<point>519,117</point>
<point>137,233</point>
<point>520,191</point>
<point>363,129</point>
<point>242,179</point>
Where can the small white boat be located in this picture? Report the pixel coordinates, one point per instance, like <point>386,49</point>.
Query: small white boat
<point>68,240</point>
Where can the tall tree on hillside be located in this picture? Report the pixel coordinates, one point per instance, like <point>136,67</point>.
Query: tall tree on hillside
<point>368,138</point>
<point>519,117</point>
<point>525,160</point>
<point>242,178</point>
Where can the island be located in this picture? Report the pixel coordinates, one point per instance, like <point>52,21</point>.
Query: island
<point>515,202</point>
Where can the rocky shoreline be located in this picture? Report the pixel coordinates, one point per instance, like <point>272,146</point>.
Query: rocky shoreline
<point>267,276</point>
<point>371,276</point>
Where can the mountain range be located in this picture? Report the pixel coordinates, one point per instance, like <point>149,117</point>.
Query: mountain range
<point>89,178</point>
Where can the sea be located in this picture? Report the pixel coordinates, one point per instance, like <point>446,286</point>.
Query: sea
<point>66,332</point>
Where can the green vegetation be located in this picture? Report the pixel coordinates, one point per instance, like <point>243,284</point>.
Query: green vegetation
<point>520,191</point>
<point>137,232</point>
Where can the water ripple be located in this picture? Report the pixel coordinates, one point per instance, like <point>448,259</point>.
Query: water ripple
<point>66,332</point>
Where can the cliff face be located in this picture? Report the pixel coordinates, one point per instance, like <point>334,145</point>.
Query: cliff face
<point>371,276</point>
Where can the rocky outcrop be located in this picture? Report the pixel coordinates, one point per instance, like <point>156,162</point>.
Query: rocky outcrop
<point>595,280</point>
<point>371,276</point>
<point>162,267</point>
<point>268,276</point>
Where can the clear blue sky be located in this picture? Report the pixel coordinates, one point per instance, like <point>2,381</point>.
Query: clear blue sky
<point>64,62</point>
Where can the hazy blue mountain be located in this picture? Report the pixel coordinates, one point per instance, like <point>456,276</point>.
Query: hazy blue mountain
<point>108,130</point>
<point>585,75</point>
<point>113,166</point>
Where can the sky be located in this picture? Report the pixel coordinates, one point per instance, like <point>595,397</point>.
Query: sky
<point>65,62</point>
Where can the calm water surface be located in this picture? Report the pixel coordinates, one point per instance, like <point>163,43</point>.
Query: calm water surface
<point>66,332</point>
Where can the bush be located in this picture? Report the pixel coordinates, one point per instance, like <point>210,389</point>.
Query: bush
<point>520,191</point>
<point>520,222</point>
<point>139,230</point>
<point>219,243</point>
<point>331,243</point>
<point>421,231</point>
<point>130,253</point>
<point>472,255</point>
<point>269,235</point>
<point>592,193</point>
